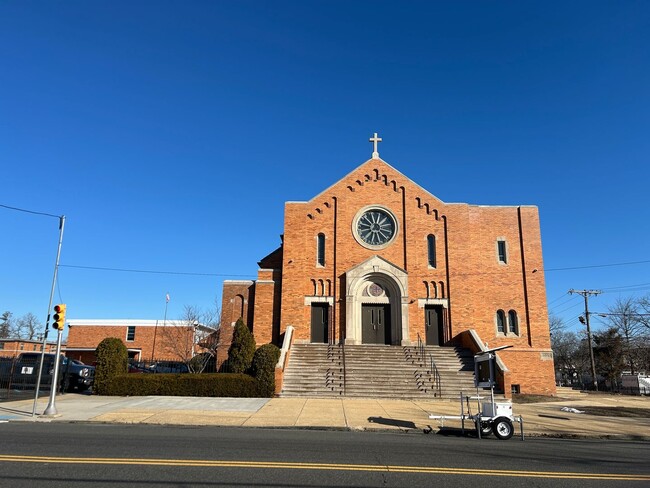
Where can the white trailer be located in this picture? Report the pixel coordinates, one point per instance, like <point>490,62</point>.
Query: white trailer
<point>491,417</point>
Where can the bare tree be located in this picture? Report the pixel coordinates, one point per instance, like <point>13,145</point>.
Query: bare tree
<point>624,317</point>
<point>26,326</point>
<point>6,325</point>
<point>644,311</point>
<point>194,338</point>
<point>555,324</point>
<point>608,350</point>
<point>566,349</point>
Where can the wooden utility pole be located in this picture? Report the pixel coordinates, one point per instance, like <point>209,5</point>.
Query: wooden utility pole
<point>585,294</point>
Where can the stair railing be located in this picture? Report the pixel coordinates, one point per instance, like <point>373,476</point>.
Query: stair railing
<point>331,375</point>
<point>342,346</point>
<point>427,361</point>
<point>335,376</point>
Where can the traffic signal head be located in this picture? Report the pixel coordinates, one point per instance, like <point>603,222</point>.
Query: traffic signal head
<point>59,316</point>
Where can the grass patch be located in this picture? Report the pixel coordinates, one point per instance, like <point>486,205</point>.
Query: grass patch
<point>617,412</point>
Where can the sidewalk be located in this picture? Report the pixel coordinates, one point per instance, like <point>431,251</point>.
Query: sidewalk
<point>546,419</point>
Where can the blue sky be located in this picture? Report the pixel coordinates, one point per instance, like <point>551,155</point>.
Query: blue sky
<point>170,134</point>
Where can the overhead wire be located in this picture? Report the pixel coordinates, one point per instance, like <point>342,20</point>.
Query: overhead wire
<point>568,308</point>
<point>30,211</point>
<point>149,271</point>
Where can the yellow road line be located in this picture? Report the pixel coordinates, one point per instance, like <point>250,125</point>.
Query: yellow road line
<point>321,466</point>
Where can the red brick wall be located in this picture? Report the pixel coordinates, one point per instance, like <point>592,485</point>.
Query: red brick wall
<point>14,348</point>
<point>89,337</point>
<point>266,323</point>
<point>237,301</point>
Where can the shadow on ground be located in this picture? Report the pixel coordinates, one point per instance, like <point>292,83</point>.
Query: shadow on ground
<point>404,424</point>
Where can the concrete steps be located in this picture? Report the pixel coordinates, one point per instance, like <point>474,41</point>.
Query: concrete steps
<point>376,371</point>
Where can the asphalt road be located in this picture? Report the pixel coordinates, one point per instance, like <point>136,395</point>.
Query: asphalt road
<point>109,455</point>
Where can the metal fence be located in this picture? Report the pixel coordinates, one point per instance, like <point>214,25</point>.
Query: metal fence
<point>18,377</point>
<point>166,366</point>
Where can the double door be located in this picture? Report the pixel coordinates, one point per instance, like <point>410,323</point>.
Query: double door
<point>375,324</point>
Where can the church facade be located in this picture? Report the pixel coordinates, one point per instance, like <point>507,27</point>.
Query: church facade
<point>377,259</point>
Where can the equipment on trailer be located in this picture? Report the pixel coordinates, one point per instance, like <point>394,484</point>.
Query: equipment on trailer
<point>491,417</point>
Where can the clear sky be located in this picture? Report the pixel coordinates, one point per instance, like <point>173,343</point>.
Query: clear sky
<point>170,134</point>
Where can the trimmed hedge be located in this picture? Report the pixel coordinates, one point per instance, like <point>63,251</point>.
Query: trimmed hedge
<point>242,349</point>
<point>201,385</point>
<point>112,360</point>
<point>263,369</point>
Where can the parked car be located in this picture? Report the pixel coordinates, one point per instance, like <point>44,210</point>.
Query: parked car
<point>157,367</point>
<point>22,372</point>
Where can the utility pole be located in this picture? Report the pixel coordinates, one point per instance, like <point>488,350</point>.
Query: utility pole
<point>585,294</point>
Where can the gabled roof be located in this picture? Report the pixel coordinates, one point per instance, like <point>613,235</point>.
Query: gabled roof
<point>272,260</point>
<point>372,164</point>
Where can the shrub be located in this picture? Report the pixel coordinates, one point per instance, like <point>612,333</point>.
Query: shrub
<point>171,384</point>
<point>263,369</point>
<point>242,349</point>
<point>112,360</point>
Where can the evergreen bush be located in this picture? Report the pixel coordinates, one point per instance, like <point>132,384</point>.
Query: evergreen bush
<point>242,349</point>
<point>263,369</point>
<point>112,360</point>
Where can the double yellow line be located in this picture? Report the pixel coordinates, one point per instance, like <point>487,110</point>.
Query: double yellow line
<point>10,458</point>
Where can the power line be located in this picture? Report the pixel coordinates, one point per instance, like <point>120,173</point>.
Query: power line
<point>568,308</point>
<point>615,288</point>
<point>558,299</point>
<point>564,302</point>
<point>629,263</point>
<point>30,211</point>
<point>126,270</point>
<point>620,314</point>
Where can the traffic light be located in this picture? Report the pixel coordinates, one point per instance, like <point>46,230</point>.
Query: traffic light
<point>59,316</point>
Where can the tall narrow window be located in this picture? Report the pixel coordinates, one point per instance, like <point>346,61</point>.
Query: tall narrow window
<point>501,322</point>
<point>431,249</point>
<point>502,251</point>
<point>130,333</point>
<point>320,249</point>
<point>513,325</point>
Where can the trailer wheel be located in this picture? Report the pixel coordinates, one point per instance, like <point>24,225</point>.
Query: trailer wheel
<point>486,429</point>
<point>503,428</point>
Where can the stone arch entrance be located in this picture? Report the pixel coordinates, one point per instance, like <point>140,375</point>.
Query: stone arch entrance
<point>376,304</point>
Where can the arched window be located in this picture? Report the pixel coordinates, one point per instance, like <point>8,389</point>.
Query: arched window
<point>501,322</point>
<point>320,249</point>
<point>513,323</point>
<point>431,249</point>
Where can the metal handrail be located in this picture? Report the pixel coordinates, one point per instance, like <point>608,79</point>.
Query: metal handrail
<point>433,369</point>
<point>331,375</point>
<point>342,346</point>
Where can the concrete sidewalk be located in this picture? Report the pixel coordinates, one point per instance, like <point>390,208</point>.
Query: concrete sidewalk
<point>545,418</point>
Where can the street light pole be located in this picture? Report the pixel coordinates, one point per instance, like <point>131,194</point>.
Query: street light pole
<point>585,294</point>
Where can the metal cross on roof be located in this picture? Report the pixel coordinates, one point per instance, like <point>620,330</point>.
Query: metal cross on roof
<point>375,140</point>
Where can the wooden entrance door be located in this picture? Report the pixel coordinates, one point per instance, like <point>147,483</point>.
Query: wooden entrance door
<point>375,324</point>
<point>319,322</point>
<point>433,323</point>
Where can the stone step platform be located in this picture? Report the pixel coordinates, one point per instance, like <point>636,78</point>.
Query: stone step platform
<point>375,371</point>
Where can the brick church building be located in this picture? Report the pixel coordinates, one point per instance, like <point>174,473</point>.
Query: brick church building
<point>377,259</point>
